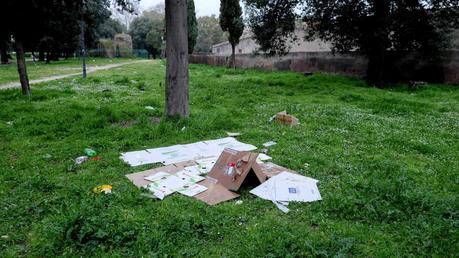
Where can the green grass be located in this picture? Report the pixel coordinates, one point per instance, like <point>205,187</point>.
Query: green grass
<point>38,70</point>
<point>387,161</point>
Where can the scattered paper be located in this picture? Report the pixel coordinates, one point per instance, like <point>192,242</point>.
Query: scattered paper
<point>269,144</point>
<point>192,190</point>
<point>193,170</point>
<point>233,134</point>
<point>164,184</point>
<point>179,153</point>
<point>149,108</point>
<point>206,165</point>
<point>138,158</point>
<point>158,176</point>
<point>287,187</point>
<point>262,158</point>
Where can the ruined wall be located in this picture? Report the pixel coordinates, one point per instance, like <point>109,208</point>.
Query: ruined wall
<point>409,68</point>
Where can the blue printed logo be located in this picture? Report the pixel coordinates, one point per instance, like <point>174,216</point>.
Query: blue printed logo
<point>292,190</point>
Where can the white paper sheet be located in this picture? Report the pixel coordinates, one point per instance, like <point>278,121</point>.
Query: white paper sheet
<point>193,170</point>
<point>288,187</point>
<point>269,144</point>
<point>206,165</point>
<point>138,158</point>
<point>192,190</point>
<point>158,176</point>
<point>179,153</point>
<point>263,157</point>
<point>164,184</point>
<point>188,178</point>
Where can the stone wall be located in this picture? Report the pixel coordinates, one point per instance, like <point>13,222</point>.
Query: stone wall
<point>409,68</point>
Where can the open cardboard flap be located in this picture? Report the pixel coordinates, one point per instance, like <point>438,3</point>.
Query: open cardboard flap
<point>232,168</point>
<point>270,169</point>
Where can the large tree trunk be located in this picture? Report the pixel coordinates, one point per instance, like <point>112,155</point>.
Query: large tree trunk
<point>3,54</point>
<point>378,39</point>
<point>41,56</point>
<point>22,69</point>
<point>3,51</point>
<point>177,97</point>
<point>233,56</point>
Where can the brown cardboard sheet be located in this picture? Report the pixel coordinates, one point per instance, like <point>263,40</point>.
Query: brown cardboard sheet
<point>284,118</point>
<point>215,194</point>
<point>232,168</point>
<point>270,169</point>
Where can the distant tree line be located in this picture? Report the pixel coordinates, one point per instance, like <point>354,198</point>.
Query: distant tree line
<point>54,29</point>
<point>383,30</point>
<point>148,30</point>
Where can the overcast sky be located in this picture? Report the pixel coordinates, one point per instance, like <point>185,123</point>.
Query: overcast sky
<point>203,7</point>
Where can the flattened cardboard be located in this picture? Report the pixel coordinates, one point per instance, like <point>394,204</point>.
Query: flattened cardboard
<point>270,169</point>
<point>215,194</point>
<point>284,118</point>
<point>232,168</point>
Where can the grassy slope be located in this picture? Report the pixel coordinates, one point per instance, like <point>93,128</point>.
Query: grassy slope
<point>38,70</point>
<point>387,160</point>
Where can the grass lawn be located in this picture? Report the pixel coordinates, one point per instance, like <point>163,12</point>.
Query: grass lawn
<point>39,70</point>
<point>387,161</point>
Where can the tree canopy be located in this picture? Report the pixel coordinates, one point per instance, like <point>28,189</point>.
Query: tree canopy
<point>375,27</point>
<point>192,26</point>
<point>147,31</point>
<point>52,26</point>
<point>231,21</point>
<point>272,23</point>
<point>210,33</point>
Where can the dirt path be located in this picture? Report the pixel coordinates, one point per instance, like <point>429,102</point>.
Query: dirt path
<point>89,69</point>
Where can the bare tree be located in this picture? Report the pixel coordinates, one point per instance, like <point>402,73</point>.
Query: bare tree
<point>177,96</point>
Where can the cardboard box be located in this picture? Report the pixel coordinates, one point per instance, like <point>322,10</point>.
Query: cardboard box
<point>233,167</point>
<point>284,118</point>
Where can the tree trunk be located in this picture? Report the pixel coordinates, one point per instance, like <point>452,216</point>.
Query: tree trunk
<point>48,57</point>
<point>22,69</point>
<point>233,56</point>
<point>41,56</point>
<point>378,39</point>
<point>177,59</point>
<point>3,54</point>
<point>376,63</point>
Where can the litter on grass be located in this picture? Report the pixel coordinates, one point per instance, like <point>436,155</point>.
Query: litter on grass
<point>81,160</point>
<point>90,152</point>
<point>285,118</point>
<point>263,157</point>
<point>269,144</point>
<point>181,153</point>
<point>106,189</point>
<point>218,176</point>
<point>288,187</point>
<point>233,134</point>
